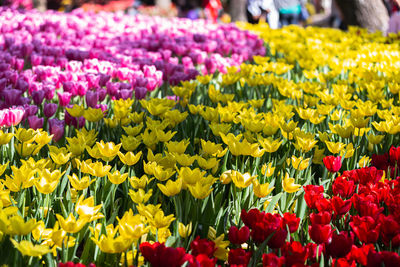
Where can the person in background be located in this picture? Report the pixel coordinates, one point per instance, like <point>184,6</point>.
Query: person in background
<point>263,10</point>
<point>394,21</point>
<point>289,11</point>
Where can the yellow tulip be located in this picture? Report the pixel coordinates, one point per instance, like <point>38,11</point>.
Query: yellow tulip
<point>177,147</point>
<point>87,210</point>
<point>108,149</point>
<point>185,230</point>
<point>25,135</point>
<point>93,114</point>
<point>267,170</point>
<point>19,227</point>
<point>27,248</point>
<point>270,145</point>
<point>129,158</point>
<point>140,196</point>
<point>76,111</point>
<point>335,148</point>
<point>111,244</point>
<point>171,188</point>
<point>3,167</point>
<point>207,164</point>
<point>45,186</point>
<point>160,220</point>
<point>261,190</point>
<point>141,182</point>
<point>80,184</point>
<point>99,170</point>
<point>60,158</point>
<point>116,177</point>
<point>200,190</point>
<point>226,177</point>
<point>42,138</point>
<point>5,138</point>
<point>131,226</point>
<point>289,186</point>
<point>189,176</point>
<point>130,143</point>
<point>163,174</point>
<point>71,224</point>
<point>242,180</point>
<point>299,163</point>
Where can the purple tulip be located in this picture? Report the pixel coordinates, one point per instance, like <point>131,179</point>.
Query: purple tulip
<point>76,122</point>
<point>37,97</point>
<point>140,92</point>
<point>125,94</point>
<point>49,109</point>
<point>91,98</point>
<point>35,122</point>
<point>56,128</point>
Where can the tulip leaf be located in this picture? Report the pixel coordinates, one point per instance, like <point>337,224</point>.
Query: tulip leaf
<point>273,202</point>
<point>64,180</point>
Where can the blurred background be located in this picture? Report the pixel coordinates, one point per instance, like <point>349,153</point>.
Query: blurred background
<point>375,15</point>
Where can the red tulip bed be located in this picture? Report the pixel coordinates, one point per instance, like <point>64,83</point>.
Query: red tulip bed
<point>145,141</point>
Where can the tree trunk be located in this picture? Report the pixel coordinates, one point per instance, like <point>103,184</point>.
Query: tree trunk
<point>370,14</point>
<point>237,10</point>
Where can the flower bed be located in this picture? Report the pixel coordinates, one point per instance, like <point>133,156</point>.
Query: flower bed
<point>127,140</point>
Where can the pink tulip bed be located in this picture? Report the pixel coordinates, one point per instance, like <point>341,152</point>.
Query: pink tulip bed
<point>135,140</point>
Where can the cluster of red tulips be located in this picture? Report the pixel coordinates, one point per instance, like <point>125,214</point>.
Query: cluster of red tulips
<point>355,221</point>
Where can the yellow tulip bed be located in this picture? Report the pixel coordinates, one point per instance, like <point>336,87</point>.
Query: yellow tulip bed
<point>172,169</point>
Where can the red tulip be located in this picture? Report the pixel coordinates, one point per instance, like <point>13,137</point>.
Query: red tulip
<point>159,255</point>
<point>333,164</point>
<point>239,257</point>
<point>340,244</point>
<point>340,206</point>
<point>320,233</point>
<point>365,228</point>
<point>201,260</point>
<point>237,236</point>
<point>290,220</point>
<point>271,260</point>
<point>343,187</point>
<point>312,193</point>
<point>203,246</point>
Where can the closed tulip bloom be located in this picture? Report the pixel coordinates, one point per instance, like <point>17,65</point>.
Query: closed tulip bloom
<point>11,117</point>
<point>64,98</point>
<point>239,236</point>
<point>49,109</point>
<point>56,128</point>
<point>333,164</point>
<point>184,230</point>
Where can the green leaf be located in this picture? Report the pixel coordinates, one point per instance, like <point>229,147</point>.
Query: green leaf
<point>273,202</point>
